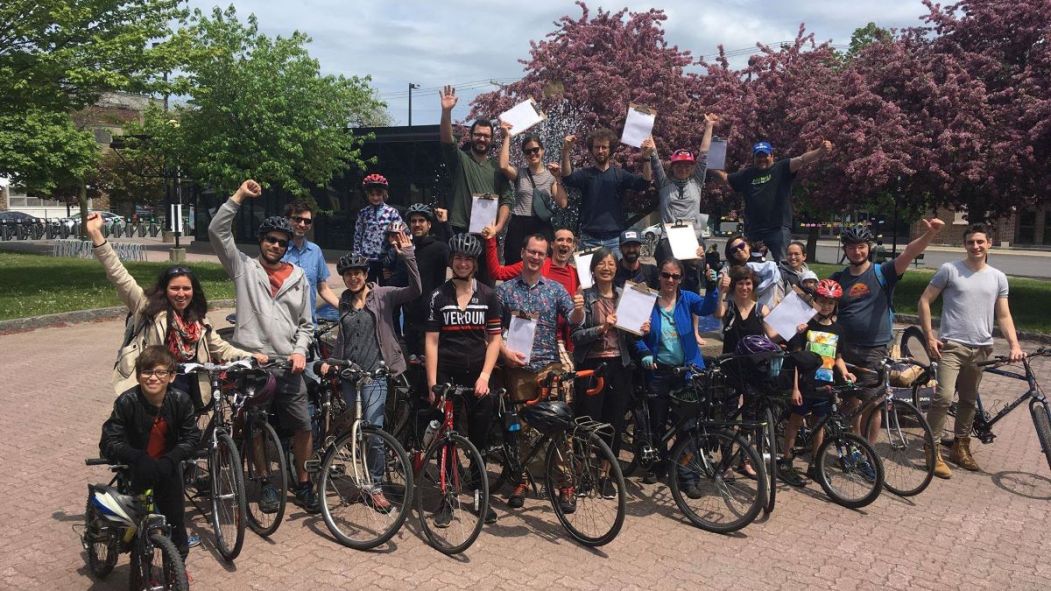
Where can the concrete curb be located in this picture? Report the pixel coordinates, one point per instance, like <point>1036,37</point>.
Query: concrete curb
<point>78,316</point>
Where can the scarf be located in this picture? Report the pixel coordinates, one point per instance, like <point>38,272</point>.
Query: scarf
<point>183,338</point>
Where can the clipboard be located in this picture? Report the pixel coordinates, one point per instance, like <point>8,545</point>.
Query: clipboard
<point>484,207</point>
<point>638,125</point>
<point>522,116</point>
<point>582,260</point>
<point>635,307</point>
<point>717,154</point>
<point>520,334</point>
<point>789,314</point>
<point>682,237</point>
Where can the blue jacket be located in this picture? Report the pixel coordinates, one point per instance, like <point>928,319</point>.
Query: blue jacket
<point>687,303</point>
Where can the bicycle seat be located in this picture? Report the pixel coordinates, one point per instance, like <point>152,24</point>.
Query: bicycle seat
<point>114,506</point>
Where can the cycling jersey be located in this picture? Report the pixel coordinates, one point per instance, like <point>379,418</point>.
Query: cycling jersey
<point>462,332</point>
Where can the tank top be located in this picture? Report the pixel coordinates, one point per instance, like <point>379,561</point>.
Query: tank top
<point>735,328</point>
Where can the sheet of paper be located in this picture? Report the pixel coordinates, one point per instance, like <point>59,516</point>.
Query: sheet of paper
<point>717,155</point>
<point>634,308</point>
<point>520,336</point>
<point>683,241</point>
<point>522,116</point>
<point>583,262</point>
<point>702,221</point>
<point>483,212</point>
<point>789,314</point>
<point>637,126</point>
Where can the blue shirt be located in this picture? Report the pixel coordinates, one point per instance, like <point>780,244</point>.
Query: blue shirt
<point>545,301</point>
<point>669,348</point>
<point>312,261</point>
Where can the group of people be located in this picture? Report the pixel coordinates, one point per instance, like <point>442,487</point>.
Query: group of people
<point>441,280</point>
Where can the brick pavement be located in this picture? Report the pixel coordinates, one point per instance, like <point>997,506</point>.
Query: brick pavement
<point>56,397</point>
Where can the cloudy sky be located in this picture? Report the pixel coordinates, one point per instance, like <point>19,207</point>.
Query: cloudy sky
<point>469,43</point>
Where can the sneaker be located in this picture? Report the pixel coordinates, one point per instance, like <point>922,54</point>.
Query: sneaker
<point>567,500</point>
<point>866,470</point>
<point>306,498</point>
<point>517,498</point>
<point>444,516</point>
<point>378,501</point>
<point>269,499</point>
<point>490,515</point>
<point>650,477</point>
<point>606,488</point>
<point>193,540</point>
<point>811,472</point>
<point>693,491</point>
<point>788,473</point>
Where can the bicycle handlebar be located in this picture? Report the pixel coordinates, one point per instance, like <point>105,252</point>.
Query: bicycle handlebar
<point>553,379</point>
<point>240,364</point>
<point>349,370</point>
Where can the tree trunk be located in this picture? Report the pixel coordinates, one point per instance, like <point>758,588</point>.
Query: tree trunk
<point>811,243</point>
<point>83,200</point>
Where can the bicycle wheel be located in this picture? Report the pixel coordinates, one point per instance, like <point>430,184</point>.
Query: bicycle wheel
<point>264,467</point>
<point>630,457</point>
<point>767,448</point>
<point>903,445</point>
<point>582,465</point>
<point>1042,422</point>
<point>160,568</point>
<point>452,494</point>
<point>360,510</point>
<point>914,345</point>
<point>849,470</point>
<point>399,407</point>
<point>100,542</point>
<point>228,497</point>
<point>706,487</point>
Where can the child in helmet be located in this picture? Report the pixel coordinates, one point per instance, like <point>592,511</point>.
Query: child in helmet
<point>822,339</point>
<point>370,229</point>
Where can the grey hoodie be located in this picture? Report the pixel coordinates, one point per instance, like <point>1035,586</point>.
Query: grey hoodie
<point>278,325</point>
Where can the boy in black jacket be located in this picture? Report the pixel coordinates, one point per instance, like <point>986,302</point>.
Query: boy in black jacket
<point>153,428</point>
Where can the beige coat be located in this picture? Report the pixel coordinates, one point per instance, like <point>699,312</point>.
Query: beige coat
<point>133,296</point>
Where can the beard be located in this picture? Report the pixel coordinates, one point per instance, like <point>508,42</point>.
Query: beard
<point>630,257</point>
<point>271,259</point>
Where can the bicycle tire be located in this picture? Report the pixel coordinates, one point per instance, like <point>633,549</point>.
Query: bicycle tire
<point>347,505</point>
<point>228,497</point>
<point>582,463</point>
<point>839,473</point>
<point>903,444</point>
<point>101,547</point>
<point>717,484</point>
<point>172,569</point>
<point>430,496</point>
<point>768,454</point>
<point>273,457</point>
<point>1042,422</point>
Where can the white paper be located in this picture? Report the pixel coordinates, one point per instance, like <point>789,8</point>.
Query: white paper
<point>702,221</point>
<point>523,116</point>
<point>520,336</point>
<point>683,241</point>
<point>634,308</point>
<point>789,314</point>
<point>637,127</point>
<point>483,213</point>
<point>583,262</point>
<point>717,155</point>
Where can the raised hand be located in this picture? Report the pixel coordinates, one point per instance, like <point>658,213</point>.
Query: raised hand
<point>648,147</point>
<point>578,303</point>
<point>555,169</point>
<point>402,243</point>
<point>93,227</point>
<point>250,189</point>
<point>570,140</point>
<point>826,146</point>
<point>933,225</point>
<point>449,99</point>
<point>442,215</point>
<point>506,128</point>
<point>489,232</point>
<point>711,118</point>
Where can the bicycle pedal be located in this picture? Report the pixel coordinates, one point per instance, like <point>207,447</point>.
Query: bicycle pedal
<point>312,465</point>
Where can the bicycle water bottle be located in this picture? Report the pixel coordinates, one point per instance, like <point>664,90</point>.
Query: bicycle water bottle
<point>428,435</point>
<point>511,424</point>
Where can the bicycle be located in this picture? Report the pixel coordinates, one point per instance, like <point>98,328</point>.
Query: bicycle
<point>116,522</point>
<point>577,462</point>
<point>444,485</point>
<point>348,479</point>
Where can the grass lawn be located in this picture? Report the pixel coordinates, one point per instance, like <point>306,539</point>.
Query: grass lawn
<point>33,285</point>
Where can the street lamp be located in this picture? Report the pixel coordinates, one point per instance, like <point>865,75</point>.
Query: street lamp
<point>411,87</point>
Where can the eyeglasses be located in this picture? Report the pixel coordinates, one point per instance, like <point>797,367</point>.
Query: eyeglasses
<point>531,151</point>
<point>739,246</point>
<point>283,243</point>
<point>482,135</point>
<point>671,276</point>
<point>157,373</point>
<point>302,220</point>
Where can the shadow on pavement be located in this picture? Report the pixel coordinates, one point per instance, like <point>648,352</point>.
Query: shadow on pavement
<point>1024,484</point>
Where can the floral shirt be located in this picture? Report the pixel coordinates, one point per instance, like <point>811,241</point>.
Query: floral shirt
<point>545,301</point>
<point>371,227</point>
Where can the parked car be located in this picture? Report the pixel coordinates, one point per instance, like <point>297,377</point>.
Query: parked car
<point>18,217</point>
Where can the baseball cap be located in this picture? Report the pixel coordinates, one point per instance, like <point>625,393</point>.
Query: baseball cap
<point>629,236</point>
<point>762,148</point>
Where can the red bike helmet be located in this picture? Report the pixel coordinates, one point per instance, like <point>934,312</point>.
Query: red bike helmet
<point>829,289</point>
<point>375,180</point>
<point>682,156</point>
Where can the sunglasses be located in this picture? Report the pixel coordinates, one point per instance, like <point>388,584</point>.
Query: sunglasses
<point>179,271</point>
<point>282,242</point>
<point>671,276</point>
<point>739,246</point>
<point>302,220</point>
<point>531,151</point>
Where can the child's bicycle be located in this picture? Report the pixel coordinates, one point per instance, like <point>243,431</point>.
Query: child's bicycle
<point>116,522</point>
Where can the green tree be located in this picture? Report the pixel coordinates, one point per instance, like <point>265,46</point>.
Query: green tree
<point>44,150</point>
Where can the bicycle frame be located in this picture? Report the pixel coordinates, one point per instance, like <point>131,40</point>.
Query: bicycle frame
<point>983,424</point>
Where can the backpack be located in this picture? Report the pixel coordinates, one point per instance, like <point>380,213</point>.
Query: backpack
<point>134,339</point>
<point>877,268</point>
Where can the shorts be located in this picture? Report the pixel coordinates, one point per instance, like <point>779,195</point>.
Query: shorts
<point>870,383</point>
<point>290,401</point>
<point>819,406</point>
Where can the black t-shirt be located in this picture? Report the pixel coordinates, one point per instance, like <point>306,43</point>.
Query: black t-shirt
<point>462,333</point>
<point>827,346</point>
<point>647,274</point>
<point>767,195</point>
<point>865,313</point>
<point>602,198</point>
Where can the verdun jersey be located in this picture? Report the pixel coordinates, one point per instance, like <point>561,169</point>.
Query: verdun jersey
<point>462,332</point>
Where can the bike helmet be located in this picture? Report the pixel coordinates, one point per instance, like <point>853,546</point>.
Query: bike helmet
<point>375,180</point>
<point>420,209</point>
<point>756,343</point>
<point>396,227</point>
<point>275,223</point>
<point>682,156</point>
<point>829,289</point>
<point>465,244</point>
<point>351,261</point>
<point>856,235</point>
<point>552,416</point>
<point>260,387</point>
<point>114,506</point>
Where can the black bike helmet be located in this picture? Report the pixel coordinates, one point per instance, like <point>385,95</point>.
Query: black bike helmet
<point>420,209</point>
<point>856,235</point>
<point>465,244</point>
<point>351,261</point>
<point>548,417</point>
<point>275,223</point>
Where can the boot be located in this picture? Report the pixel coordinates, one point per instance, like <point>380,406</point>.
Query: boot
<point>961,454</point>
<point>941,469</point>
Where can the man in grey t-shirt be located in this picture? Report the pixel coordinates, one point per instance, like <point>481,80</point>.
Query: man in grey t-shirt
<point>974,293</point>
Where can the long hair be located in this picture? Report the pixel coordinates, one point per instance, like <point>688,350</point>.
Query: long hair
<point>157,296</point>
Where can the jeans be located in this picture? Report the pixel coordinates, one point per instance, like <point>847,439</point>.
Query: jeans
<point>373,405</point>
<point>588,242</point>
<point>957,372</point>
<point>776,241</point>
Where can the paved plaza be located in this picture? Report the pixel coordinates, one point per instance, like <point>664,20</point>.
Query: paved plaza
<point>985,530</point>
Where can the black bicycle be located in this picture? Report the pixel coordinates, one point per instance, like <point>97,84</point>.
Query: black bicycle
<point>264,463</point>
<point>116,522</point>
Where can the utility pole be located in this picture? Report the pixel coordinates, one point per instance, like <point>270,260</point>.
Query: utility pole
<point>411,87</point>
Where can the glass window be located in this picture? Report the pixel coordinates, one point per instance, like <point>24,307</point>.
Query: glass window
<point>1027,226</point>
